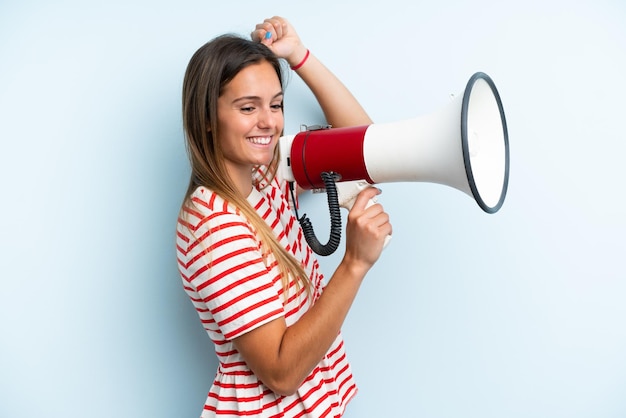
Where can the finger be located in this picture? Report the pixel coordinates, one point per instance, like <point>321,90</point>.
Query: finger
<point>382,222</point>
<point>279,25</point>
<point>364,197</point>
<point>264,32</point>
<point>268,26</point>
<point>380,226</point>
<point>257,35</point>
<point>260,32</point>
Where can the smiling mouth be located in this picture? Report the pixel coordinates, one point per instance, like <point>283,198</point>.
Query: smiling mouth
<point>260,140</point>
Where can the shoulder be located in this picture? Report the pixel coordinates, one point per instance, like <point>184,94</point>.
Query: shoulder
<point>207,213</point>
<point>274,188</point>
<point>204,203</point>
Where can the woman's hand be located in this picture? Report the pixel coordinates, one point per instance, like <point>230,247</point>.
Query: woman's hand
<point>281,37</point>
<point>366,231</point>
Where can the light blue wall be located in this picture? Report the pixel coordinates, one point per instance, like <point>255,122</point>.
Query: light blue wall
<point>519,314</point>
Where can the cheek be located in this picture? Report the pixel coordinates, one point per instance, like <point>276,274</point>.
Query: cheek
<point>280,121</point>
<point>231,125</point>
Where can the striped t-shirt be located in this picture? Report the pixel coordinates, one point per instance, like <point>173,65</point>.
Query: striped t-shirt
<point>235,290</point>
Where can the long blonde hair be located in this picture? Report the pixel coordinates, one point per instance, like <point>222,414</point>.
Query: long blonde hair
<point>210,69</point>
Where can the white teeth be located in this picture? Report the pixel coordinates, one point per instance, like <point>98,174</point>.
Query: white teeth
<point>264,140</point>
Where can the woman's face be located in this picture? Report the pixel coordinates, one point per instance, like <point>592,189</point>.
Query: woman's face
<point>250,120</point>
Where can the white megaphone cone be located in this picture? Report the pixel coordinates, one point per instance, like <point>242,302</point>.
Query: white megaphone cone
<point>463,145</point>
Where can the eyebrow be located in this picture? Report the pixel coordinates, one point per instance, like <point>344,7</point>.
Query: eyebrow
<point>256,98</point>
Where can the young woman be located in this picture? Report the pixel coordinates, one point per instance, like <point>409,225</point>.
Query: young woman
<point>242,256</point>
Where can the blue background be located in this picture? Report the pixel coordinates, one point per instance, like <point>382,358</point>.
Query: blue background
<point>517,314</point>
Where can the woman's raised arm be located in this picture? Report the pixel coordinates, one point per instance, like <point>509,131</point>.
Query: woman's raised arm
<point>339,105</point>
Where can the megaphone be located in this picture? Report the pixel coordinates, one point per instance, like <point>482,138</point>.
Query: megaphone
<point>464,145</point>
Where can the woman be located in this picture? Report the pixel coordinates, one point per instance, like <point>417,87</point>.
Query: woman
<point>242,256</point>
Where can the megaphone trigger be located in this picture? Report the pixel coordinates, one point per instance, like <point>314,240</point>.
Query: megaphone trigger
<point>347,192</point>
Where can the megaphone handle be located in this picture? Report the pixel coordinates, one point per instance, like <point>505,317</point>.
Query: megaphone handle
<point>348,191</point>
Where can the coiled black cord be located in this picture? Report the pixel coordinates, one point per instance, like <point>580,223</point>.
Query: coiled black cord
<point>335,219</point>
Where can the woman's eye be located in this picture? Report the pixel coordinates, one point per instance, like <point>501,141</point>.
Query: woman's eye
<point>247,109</point>
<point>278,106</point>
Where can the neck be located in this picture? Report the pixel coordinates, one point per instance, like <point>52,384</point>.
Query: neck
<point>242,180</point>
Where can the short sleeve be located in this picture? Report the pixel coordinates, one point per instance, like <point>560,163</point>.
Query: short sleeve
<point>227,269</point>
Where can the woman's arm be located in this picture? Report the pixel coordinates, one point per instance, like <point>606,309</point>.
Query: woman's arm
<point>282,357</point>
<point>340,107</point>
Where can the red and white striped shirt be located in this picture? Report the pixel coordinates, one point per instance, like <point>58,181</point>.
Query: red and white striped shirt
<point>235,290</point>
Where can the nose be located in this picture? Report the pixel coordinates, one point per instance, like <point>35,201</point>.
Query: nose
<point>269,118</point>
